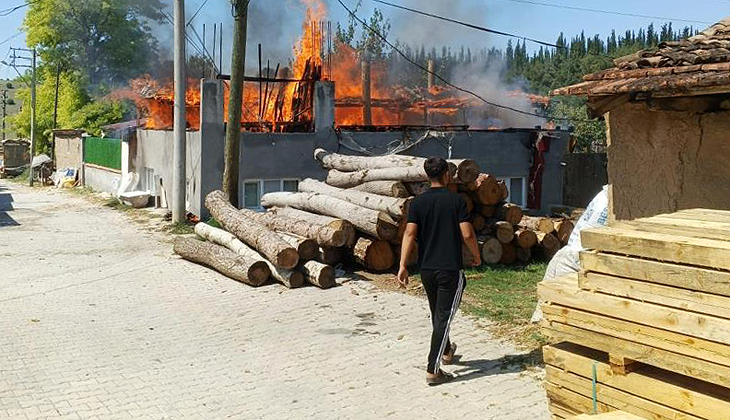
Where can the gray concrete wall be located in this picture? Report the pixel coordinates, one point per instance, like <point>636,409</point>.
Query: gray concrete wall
<point>101,179</point>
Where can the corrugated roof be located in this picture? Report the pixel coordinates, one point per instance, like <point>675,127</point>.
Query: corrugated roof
<point>699,64</point>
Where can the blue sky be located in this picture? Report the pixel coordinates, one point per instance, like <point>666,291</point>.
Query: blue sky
<point>277,22</point>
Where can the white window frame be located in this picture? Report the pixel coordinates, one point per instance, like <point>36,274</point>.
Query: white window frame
<point>508,181</point>
<point>260,183</point>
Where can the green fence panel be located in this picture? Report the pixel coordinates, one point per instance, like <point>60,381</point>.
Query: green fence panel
<point>103,152</point>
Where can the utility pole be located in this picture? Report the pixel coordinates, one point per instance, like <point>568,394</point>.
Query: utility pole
<point>179,125</point>
<point>5,110</point>
<point>235,99</point>
<point>15,57</point>
<point>55,102</point>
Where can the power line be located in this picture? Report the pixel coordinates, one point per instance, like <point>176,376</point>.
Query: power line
<point>609,12</point>
<point>436,75</point>
<point>9,10</point>
<point>196,13</point>
<point>11,37</point>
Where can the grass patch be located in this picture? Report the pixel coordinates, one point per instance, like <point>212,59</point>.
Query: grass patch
<point>180,228</point>
<point>214,223</point>
<point>115,204</point>
<point>23,178</point>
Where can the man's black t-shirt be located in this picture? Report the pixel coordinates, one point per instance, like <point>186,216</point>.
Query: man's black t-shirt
<point>438,212</point>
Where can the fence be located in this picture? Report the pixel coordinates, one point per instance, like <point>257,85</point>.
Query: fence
<point>103,152</point>
<point>585,175</point>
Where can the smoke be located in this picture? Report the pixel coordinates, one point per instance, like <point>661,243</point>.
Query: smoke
<point>486,81</point>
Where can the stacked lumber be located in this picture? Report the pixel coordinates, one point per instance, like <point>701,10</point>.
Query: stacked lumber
<point>647,320</point>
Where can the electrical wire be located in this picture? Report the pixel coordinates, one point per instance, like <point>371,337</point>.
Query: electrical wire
<point>609,12</point>
<point>11,37</point>
<point>446,82</point>
<point>196,12</point>
<point>9,10</point>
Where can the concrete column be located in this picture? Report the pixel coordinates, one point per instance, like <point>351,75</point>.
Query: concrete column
<point>125,158</point>
<point>209,171</point>
<point>324,106</point>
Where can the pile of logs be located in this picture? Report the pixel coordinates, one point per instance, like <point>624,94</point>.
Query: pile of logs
<point>359,216</point>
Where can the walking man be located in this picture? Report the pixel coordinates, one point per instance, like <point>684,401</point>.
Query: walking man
<point>439,222</point>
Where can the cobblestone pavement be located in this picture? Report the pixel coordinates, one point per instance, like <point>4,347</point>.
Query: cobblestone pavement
<point>98,319</point>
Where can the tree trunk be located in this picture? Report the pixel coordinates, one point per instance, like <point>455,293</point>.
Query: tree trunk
<point>320,275</point>
<point>289,278</point>
<point>525,238</point>
<point>307,248</point>
<point>339,225</point>
<point>524,254</point>
<point>353,179</point>
<point>372,222</point>
<point>563,230</point>
<point>503,231</point>
<point>548,243</point>
<point>509,254</point>
<point>417,188</point>
<point>491,250</point>
<point>323,235</point>
<point>486,189</point>
<point>396,207</point>
<point>329,255</point>
<point>468,201</point>
<point>538,224</point>
<point>479,222</point>
<point>387,188</point>
<point>373,255</point>
<point>251,232</point>
<point>510,213</point>
<point>246,270</point>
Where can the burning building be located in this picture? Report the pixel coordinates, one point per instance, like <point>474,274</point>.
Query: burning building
<point>329,97</point>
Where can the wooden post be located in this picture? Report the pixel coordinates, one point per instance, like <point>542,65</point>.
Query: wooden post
<point>431,77</point>
<point>367,116</point>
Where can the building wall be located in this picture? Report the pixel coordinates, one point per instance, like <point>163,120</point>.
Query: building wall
<point>585,176</point>
<point>664,161</point>
<point>101,179</point>
<point>68,152</point>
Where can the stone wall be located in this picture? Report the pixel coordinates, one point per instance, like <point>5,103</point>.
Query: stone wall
<point>664,161</point>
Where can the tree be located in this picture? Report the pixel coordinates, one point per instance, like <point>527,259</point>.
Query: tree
<point>109,41</point>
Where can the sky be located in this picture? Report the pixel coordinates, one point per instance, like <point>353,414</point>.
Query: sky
<point>276,24</point>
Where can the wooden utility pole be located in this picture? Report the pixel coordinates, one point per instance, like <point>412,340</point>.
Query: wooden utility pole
<point>179,125</point>
<point>235,99</point>
<point>367,116</point>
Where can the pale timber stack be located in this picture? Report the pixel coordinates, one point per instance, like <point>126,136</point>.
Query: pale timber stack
<point>645,325</point>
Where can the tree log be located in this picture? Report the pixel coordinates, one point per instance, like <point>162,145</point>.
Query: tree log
<point>417,188</point>
<point>467,170</point>
<point>412,259</point>
<point>387,188</point>
<point>353,179</point>
<point>469,202</point>
<point>509,254</point>
<point>503,189</point>
<point>307,248</point>
<point>491,250</point>
<point>503,231</point>
<point>246,270</point>
<point>479,222</point>
<point>487,211</point>
<point>255,234</point>
<point>524,254</point>
<point>339,225</point>
<point>548,243</point>
<point>373,255</point>
<point>289,278</point>
<point>538,224</point>
<point>396,207</point>
<point>372,222</point>
<point>525,238</point>
<point>511,213</point>
<point>563,230</point>
<point>486,189</point>
<point>320,275</point>
<point>322,234</point>
<point>346,163</point>
<point>329,255</point>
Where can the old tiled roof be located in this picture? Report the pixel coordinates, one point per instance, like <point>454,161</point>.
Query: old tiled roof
<point>690,66</point>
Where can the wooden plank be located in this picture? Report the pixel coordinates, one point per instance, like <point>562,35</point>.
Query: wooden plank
<point>721,233</point>
<point>716,353</point>
<point>704,303</point>
<point>695,251</point>
<point>638,352</point>
<point>613,415</point>
<point>561,411</point>
<point>572,401</point>
<point>666,388</point>
<point>612,397</point>
<point>621,365</point>
<point>696,215</point>
<point>564,291</point>
<point>683,276</point>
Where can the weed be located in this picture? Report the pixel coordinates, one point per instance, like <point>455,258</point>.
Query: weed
<point>180,228</point>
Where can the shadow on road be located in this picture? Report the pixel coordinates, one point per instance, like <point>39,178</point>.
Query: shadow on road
<point>6,205</point>
<point>466,370</point>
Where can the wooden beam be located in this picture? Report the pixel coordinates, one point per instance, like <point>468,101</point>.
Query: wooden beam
<point>683,276</point>
<point>598,107</point>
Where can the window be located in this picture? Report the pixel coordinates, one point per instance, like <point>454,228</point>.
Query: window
<point>517,189</point>
<point>253,190</point>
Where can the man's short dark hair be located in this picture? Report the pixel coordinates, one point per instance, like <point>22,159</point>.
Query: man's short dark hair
<point>435,167</point>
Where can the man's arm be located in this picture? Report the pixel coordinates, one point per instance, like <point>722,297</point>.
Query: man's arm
<point>409,240</point>
<point>470,240</point>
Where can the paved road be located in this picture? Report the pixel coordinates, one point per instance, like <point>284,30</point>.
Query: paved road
<point>98,319</point>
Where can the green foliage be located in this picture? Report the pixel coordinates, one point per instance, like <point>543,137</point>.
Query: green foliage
<point>369,43</point>
<point>94,115</point>
<point>109,41</point>
<point>589,134</point>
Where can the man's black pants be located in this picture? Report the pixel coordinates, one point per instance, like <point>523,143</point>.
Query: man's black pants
<point>444,290</point>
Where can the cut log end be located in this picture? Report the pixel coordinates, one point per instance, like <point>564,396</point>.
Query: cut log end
<point>373,255</point>
<point>509,254</point>
<point>387,228</point>
<point>287,258</point>
<point>258,273</point>
<point>491,251</point>
<point>318,274</point>
<point>525,238</point>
